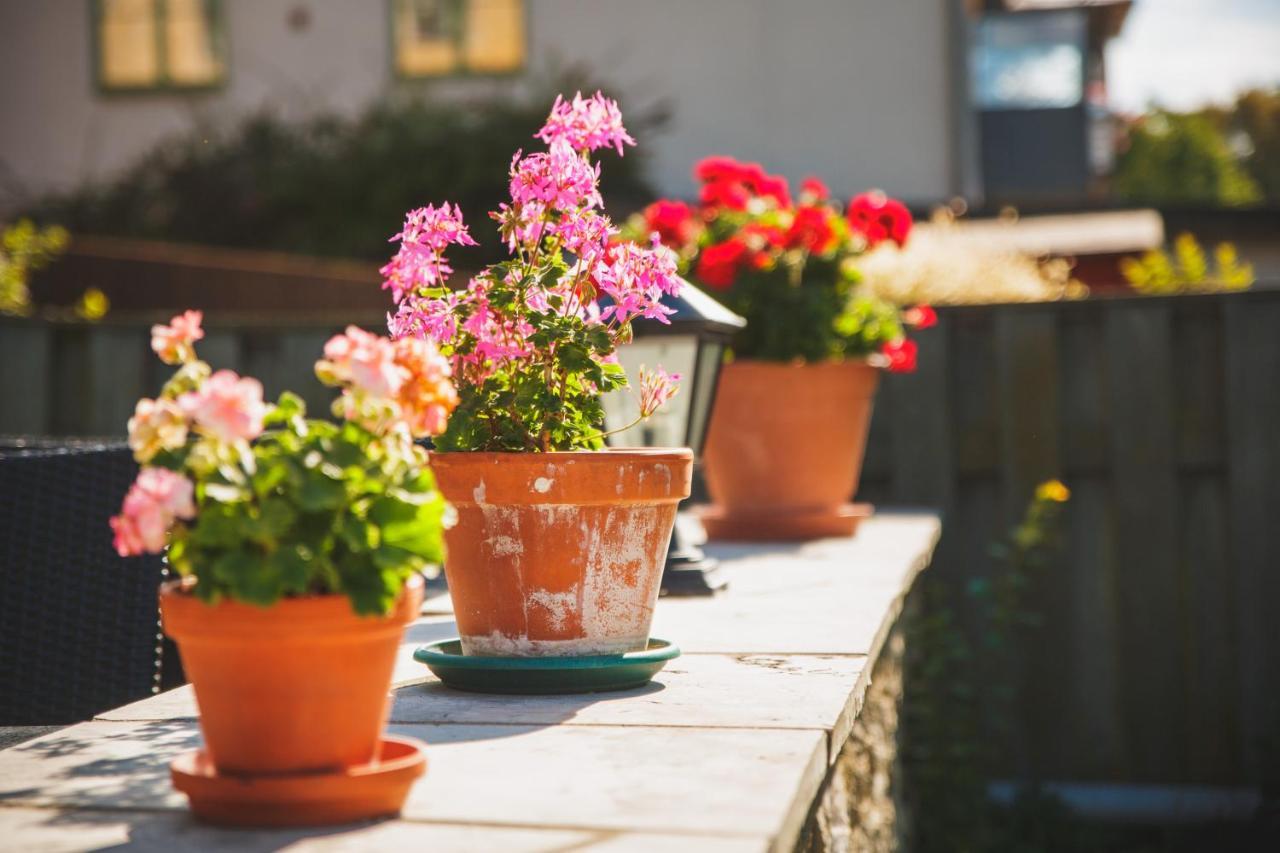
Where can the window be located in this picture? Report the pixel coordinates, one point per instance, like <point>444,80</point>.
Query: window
<point>1032,60</point>
<point>443,37</point>
<point>158,44</point>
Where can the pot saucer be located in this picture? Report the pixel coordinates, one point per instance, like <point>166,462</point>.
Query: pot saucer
<point>569,674</point>
<point>783,525</point>
<point>377,789</point>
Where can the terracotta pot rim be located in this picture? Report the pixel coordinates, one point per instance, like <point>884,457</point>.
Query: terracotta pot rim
<point>619,477</point>
<point>314,617</point>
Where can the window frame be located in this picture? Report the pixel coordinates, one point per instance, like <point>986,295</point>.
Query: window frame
<point>164,84</point>
<point>460,71</point>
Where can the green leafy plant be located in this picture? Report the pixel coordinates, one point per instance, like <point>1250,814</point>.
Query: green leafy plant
<point>1187,270</point>
<point>962,705</point>
<point>788,267</point>
<point>256,502</point>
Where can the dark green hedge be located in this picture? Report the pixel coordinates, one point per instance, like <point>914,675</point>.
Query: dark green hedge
<point>335,186</point>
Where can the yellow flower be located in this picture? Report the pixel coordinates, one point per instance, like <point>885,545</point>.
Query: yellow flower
<point>1053,490</point>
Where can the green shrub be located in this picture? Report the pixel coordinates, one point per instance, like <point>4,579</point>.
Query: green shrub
<point>329,186</point>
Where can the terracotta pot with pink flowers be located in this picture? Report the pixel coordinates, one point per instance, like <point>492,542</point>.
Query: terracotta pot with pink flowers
<point>559,544</point>
<point>787,435</point>
<point>298,545</point>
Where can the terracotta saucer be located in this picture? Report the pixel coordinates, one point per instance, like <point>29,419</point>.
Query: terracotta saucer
<point>377,789</point>
<point>781,525</point>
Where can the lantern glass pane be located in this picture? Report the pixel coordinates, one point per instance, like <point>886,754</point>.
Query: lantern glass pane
<point>670,426</point>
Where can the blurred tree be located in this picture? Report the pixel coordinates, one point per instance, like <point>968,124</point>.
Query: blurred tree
<point>1257,117</point>
<point>1182,158</point>
<point>336,186</point>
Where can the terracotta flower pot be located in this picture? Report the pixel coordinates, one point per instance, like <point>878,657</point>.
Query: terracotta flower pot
<point>302,685</point>
<point>784,449</point>
<point>559,553</point>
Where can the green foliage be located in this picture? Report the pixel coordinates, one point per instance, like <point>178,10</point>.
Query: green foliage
<point>1176,158</point>
<point>961,703</point>
<point>23,249</point>
<point>1252,124</point>
<point>329,186</point>
<point>313,507</point>
<point>1187,270</point>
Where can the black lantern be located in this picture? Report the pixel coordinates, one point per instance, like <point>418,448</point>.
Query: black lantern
<point>693,345</point>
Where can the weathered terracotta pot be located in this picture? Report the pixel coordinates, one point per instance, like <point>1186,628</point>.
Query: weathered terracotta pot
<point>784,449</point>
<point>559,553</point>
<point>300,686</point>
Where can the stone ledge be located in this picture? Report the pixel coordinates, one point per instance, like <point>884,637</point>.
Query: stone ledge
<point>730,745</point>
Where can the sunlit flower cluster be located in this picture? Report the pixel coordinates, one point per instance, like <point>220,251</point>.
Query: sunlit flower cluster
<point>566,262</point>
<point>388,384</point>
<point>586,124</point>
<point>155,499</point>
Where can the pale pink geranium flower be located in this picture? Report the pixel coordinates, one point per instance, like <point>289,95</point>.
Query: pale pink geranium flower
<point>362,360</point>
<point>586,124</point>
<point>656,388</point>
<point>155,499</point>
<point>175,342</point>
<point>226,407</point>
<point>156,425</point>
<point>428,396</point>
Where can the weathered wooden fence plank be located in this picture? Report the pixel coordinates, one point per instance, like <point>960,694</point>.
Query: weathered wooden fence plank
<point>116,376</point>
<point>1253,485</point>
<point>1027,366</point>
<point>1092,733</point>
<point>921,445</point>
<point>25,367</point>
<point>1152,590</point>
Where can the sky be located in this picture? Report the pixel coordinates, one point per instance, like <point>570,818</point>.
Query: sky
<point>1183,54</point>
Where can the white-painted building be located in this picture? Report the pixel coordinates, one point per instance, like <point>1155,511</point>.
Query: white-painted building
<point>860,92</point>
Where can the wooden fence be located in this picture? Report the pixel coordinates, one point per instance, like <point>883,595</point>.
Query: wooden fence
<point>1159,657</point>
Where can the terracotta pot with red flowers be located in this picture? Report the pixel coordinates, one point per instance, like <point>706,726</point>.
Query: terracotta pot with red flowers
<point>786,440</point>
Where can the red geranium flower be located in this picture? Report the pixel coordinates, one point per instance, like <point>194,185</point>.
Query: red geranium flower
<point>718,265</point>
<point>921,316</point>
<point>731,194</point>
<point>811,230</point>
<point>812,189</point>
<point>878,218</point>
<point>901,354</point>
<point>774,187</point>
<point>672,220</point>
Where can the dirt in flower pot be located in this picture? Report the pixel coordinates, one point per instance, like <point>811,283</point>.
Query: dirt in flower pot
<point>559,553</point>
<point>785,447</point>
<point>302,685</point>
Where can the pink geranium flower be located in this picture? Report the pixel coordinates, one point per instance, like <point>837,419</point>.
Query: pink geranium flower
<point>155,499</point>
<point>174,343</point>
<point>656,388</point>
<point>586,124</point>
<point>227,407</point>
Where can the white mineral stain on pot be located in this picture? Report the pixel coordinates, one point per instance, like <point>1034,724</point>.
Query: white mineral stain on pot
<point>478,493</point>
<point>542,485</point>
<point>558,605</point>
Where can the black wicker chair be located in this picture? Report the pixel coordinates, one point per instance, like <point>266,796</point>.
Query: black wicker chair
<point>79,625</point>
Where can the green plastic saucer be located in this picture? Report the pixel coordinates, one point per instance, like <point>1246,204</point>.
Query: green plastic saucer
<point>580,674</point>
